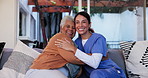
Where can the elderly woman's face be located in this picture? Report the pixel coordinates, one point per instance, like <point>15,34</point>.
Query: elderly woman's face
<point>69,28</point>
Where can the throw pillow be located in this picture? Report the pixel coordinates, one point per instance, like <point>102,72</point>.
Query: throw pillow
<point>136,58</point>
<point>19,61</point>
<point>2,44</point>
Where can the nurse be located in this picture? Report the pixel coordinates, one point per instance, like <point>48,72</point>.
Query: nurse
<point>92,50</point>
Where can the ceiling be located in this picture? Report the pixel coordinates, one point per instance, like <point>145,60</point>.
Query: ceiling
<point>107,6</point>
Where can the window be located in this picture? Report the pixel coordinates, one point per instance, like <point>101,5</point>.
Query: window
<point>33,27</point>
<point>22,23</point>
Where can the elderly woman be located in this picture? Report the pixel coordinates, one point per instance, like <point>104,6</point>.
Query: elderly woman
<point>51,62</point>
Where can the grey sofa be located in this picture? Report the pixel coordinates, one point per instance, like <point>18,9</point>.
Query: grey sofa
<point>115,54</point>
<point>6,53</point>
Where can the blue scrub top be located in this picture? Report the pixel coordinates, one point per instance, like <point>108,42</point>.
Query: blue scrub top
<point>96,44</point>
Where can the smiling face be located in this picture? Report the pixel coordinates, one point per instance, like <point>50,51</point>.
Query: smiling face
<point>82,25</point>
<point>68,28</point>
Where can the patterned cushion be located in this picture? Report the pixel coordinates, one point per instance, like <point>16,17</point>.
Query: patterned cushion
<point>2,44</point>
<point>136,58</point>
<point>18,62</point>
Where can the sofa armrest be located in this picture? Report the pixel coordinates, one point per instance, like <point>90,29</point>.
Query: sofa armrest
<point>6,53</point>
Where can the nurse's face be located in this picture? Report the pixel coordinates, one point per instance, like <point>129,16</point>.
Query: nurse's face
<point>82,25</point>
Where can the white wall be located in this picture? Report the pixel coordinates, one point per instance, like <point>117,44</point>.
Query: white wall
<point>147,23</point>
<point>132,25</point>
<point>107,24</point>
<point>140,24</point>
<point>128,26</point>
<point>8,22</point>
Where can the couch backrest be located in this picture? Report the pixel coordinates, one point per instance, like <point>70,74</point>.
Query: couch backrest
<point>6,53</point>
<point>117,56</point>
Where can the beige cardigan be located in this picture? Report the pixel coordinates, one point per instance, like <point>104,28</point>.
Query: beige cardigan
<point>54,57</point>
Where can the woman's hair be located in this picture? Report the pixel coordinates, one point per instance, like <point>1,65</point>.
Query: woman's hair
<point>64,20</point>
<point>91,30</point>
<point>86,15</point>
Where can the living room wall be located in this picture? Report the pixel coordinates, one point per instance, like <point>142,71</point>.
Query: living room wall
<point>128,28</point>
<point>8,22</point>
<point>107,24</point>
<point>147,23</point>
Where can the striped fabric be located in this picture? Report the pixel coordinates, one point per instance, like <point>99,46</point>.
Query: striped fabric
<point>136,58</point>
<point>126,47</point>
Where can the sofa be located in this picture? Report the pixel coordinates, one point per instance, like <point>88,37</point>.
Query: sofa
<point>115,54</point>
<point>132,58</point>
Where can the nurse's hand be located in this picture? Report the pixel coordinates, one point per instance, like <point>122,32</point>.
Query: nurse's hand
<point>65,44</point>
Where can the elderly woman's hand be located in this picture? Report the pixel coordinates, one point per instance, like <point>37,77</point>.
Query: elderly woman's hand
<point>65,44</point>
